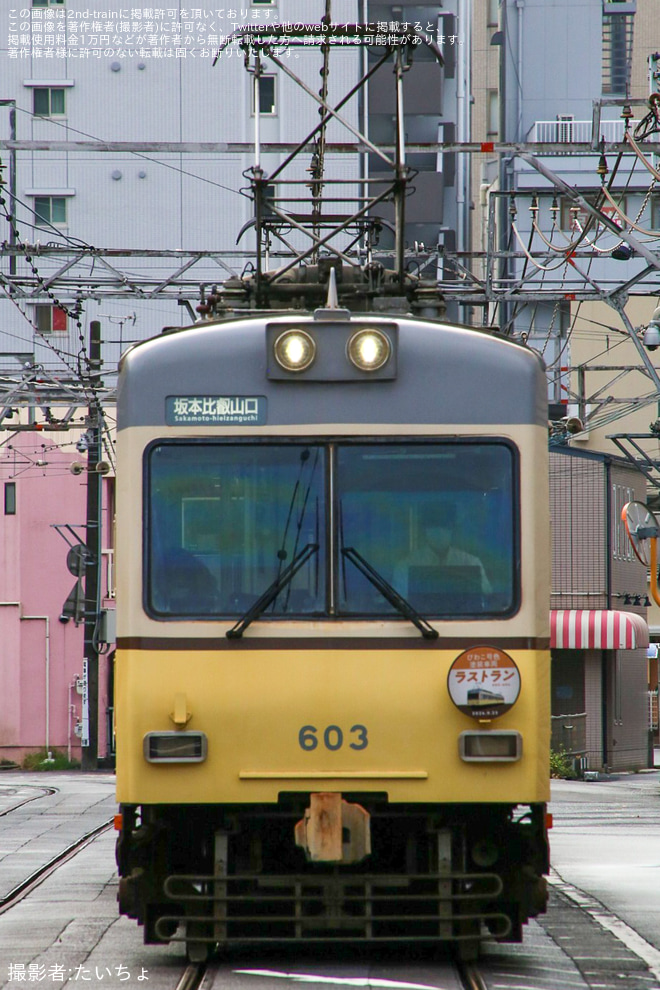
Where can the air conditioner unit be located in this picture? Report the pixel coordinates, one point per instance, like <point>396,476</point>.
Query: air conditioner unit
<point>565,127</point>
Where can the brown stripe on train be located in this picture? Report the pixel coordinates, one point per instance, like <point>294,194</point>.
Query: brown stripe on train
<point>325,643</point>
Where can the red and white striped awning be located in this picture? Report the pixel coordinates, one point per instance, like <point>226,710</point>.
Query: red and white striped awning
<point>592,629</point>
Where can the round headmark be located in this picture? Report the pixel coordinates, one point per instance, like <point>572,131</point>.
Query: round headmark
<point>641,527</point>
<point>484,682</point>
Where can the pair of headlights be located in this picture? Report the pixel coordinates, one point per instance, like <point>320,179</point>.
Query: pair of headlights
<point>489,746</point>
<point>367,350</point>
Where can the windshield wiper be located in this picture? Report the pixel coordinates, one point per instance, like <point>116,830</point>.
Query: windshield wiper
<point>389,593</point>
<point>272,591</point>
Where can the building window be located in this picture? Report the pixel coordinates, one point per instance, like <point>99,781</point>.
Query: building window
<point>47,3</point>
<point>267,102</point>
<point>618,22</point>
<point>493,114</point>
<point>48,102</point>
<point>621,546</point>
<point>269,200</point>
<point>493,13</point>
<point>575,218</point>
<point>655,211</point>
<point>49,210</point>
<point>10,498</point>
<point>50,319</point>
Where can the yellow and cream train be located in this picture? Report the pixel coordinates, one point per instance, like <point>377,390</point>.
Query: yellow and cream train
<point>332,674</point>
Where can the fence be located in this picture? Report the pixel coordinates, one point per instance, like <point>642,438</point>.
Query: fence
<point>569,734</point>
<point>579,131</point>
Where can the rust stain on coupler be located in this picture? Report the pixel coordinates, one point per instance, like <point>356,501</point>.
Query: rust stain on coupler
<point>334,830</point>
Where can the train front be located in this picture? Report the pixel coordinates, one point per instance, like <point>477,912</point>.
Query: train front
<point>332,667</point>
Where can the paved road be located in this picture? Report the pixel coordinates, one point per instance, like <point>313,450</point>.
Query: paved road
<point>37,824</point>
<point>67,931</point>
<point>606,843</point>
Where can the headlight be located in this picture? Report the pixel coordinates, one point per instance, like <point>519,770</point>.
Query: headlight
<point>175,747</point>
<point>369,350</point>
<point>493,745</point>
<point>294,350</point>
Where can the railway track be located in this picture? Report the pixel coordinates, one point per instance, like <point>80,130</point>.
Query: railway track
<point>43,792</point>
<point>202,976</point>
<point>538,963</point>
<point>28,884</point>
<point>192,977</point>
<point>471,977</point>
<point>543,961</point>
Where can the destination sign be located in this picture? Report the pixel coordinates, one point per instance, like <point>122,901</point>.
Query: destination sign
<point>215,410</point>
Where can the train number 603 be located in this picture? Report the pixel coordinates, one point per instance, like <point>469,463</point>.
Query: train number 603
<point>333,737</point>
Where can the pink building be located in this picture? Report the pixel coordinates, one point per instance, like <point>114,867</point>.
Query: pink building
<point>41,655</point>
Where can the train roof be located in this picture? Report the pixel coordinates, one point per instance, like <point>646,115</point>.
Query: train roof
<point>442,373</point>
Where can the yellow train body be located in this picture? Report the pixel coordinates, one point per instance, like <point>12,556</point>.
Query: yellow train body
<point>386,714</point>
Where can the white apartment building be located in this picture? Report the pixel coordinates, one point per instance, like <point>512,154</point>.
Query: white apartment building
<point>139,83</point>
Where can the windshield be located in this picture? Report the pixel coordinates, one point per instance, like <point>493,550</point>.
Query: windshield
<point>225,521</point>
<point>435,521</point>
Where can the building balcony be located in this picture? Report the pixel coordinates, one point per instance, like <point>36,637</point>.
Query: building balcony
<point>569,131</point>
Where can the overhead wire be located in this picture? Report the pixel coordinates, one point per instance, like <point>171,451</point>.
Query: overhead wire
<point>529,256</point>
<point>634,224</point>
<point>83,377</point>
<point>63,235</point>
<point>137,154</point>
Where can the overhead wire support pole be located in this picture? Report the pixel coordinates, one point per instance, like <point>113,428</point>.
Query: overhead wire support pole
<point>361,138</point>
<point>351,147</point>
<point>616,303</point>
<point>638,246</point>
<point>90,741</point>
<point>12,179</point>
<point>614,300</point>
<point>574,150</point>
<point>258,173</point>
<point>317,164</point>
<point>401,175</point>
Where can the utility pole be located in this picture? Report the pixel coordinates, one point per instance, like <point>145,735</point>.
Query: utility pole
<point>90,735</point>
<point>12,181</point>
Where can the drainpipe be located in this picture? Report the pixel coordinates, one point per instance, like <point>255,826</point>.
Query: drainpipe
<point>363,122</point>
<point>463,131</point>
<point>69,724</point>
<point>520,5</point>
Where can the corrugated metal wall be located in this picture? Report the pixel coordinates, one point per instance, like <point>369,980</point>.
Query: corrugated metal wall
<point>578,497</point>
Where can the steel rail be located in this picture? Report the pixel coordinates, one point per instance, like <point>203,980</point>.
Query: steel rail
<point>45,791</point>
<point>192,977</point>
<point>36,878</point>
<point>470,977</point>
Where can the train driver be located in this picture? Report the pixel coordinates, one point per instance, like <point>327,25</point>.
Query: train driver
<point>437,561</point>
